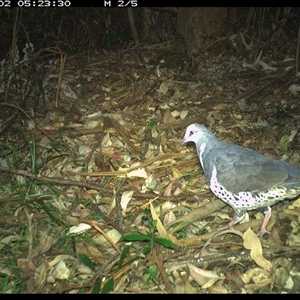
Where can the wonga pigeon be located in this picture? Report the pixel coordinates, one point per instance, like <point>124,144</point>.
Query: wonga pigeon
<point>241,177</point>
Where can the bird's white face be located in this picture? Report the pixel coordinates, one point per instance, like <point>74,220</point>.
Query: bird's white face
<point>192,134</point>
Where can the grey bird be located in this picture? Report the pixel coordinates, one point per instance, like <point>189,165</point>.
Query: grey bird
<point>242,177</point>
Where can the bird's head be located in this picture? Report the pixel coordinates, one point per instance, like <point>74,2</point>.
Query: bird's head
<point>196,133</point>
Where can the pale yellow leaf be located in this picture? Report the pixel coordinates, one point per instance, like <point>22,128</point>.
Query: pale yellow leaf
<point>183,114</point>
<point>61,271</point>
<point>137,173</point>
<point>106,141</point>
<point>294,89</point>
<point>163,88</point>
<point>60,257</point>
<point>175,113</point>
<point>101,240</point>
<point>159,226</point>
<point>252,243</point>
<point>255,275</point>
<point>296,203</point>
<point>154,132</point>
<point>169,218</point>
<point>176,173</point>
<point>125,199</point>
<point>91,124</point>
<point>83,269</point>
<point>80,228</point>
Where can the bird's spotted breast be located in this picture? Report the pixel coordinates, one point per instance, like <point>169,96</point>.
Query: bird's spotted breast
<point>246,200</point>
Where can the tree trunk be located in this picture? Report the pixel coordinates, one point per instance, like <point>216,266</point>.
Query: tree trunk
<point>203,28</point>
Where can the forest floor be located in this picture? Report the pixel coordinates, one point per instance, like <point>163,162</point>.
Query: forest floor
<point>99,195</point>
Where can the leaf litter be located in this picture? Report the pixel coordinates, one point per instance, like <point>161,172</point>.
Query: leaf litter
<point>112,164</point>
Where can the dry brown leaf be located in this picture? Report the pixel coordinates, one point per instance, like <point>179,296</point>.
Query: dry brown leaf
<point>163,88</point>
<point>292,212</point>
<point>41,277</point>
<point>168,190</point>
<point>252,243</point>
<point>188,288</point>
<point>204,278</point>
<point>168,117</point>
<point>11,238</point>
<point>256,275</point>
<point>293,239</point>
<point>218,288</point>
<point>256,286</point>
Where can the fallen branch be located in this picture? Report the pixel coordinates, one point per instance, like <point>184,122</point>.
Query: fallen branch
<point>87,185</point>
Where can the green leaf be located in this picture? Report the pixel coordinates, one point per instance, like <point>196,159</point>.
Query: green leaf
<point>165,242</point>
<point>284,143</point>
<point>124,252</point>
<point>96,287</point>
<point>152,123</point>
<point>146,250</point>
<point>152,271</point>
<point>135,237</point>
<point>85,260</point>
<point>108,286</point>
<point>4,285</point>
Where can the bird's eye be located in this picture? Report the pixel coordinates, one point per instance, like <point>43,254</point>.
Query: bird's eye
<point>191,132</point>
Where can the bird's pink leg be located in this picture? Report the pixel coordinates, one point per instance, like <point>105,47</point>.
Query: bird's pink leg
<point>264,224</point>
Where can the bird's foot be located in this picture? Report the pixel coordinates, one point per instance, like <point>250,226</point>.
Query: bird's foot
<point>238,217</point>
<point>262,232</point>
<point>230,224</point>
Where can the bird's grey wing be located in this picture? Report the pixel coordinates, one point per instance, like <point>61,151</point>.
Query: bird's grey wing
<point>240,169</point>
